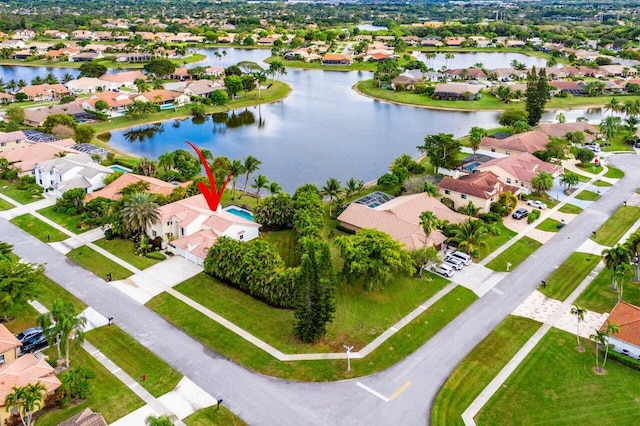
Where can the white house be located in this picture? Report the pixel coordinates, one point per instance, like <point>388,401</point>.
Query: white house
<point>71,171</point>
<point>627,340</point>
<point>89,85</point>
<point>189,228</point>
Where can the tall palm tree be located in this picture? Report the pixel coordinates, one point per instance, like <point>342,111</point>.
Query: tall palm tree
<point>609,330</point>
<point>22,83</point>
<point>428,221</point>
<point>138,212</point>
<point>610,125</point>
<point>63,324</point>
<point>569,179</point>
<point>274,188</point>
<point>260,77</point>
<point>237,168</point>
<point>26,400</point>
<point>600,338</point>
<point>331,189</point>
<point>51,79</point>
<point>475,138</point>
<point>633,244</point>
<point>470,235</point>
<point>66,77</point>
<point>542,182</point>
<point>613,258</point>
<point>353,186</point>
<point>613,106</point>
<point>37,80</point>
<point>166,161</point>
<point>251,164</point>
<point>12,85</point>
<point>448,57</point>
<point>579,314</point>
<point>259,182</point>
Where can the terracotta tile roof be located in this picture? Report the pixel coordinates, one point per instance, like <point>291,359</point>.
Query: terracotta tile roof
<point>566,85</point>
<point>523,166</point>
<point>522,142</point>
<point>459,88</point>
<point>85,418</point>
<point>26,157</point>
<point>156,186</point>
<point>124,77</point>
<point>198,243</point>
<point>627,316</point>
<point>43,89</point>
<point>187,210</point>
<point>7,340</point>
<point>113,99</point>
<point>559,130</point>
<point>331,57</point>
<point>482,185</point>
<point>400,218</point>
<point>162,95</point>
<point>26,370</point>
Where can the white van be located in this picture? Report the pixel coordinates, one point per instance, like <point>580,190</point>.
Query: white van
<point>459,255</point>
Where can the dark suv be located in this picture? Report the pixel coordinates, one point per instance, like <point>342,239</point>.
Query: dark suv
<point>520,213</point>
<point>35,343</point>
<point>28,333</point>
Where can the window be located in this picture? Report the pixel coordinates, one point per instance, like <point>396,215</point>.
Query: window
<point>522,184</point>
<point>516,180</point>
<point>241,237</point>
<point>493,150</point>
<point>447,192</point>
<point>508,152</point>
<point>182,232</point>
<point>508,180</point>
<point>3,144</point>
<point>491,199</point>
<point>463,196</point>
<point>2,361</point>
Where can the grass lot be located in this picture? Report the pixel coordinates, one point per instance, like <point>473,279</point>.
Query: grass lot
<point>515,255</point>
<point>614,173</point>
<point>246,201</point>
<point>20,195</point>
<point>589,168</point>
<point>569,275</point>
<point>602,183</point>
<point>135,359</point>
<point>407,340</point>
<point>493,242</point>
<point>556,385</point>
<point>617,225</point>
<point>587,195</point>
<point>477,370</point>
<point>570,209</point>
<point>5,205</point>
<point>360,316</point>
<point>42,231</point>
<point>97,263</point>
<point>109,396</point>
<point>72,223</point>
<point>124,249</point>
<point>213,417</point>
<point>599,297</point>
<point>285,241</point>
<point>549,225</point>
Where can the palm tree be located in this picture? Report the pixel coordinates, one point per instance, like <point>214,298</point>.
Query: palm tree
<point>236,170</point>
<point>428,221</point>
<point>470,235</point>
<point>260,77</point>
<point>425,257</point>
<point>22,83</point>
<point>166,161</point>
<point>139,212</point>
<point>430,189</point>
<point>624,271</point>
<point>353,186</point>
<point>51,79</point>
<point>430,57</point>
<point>633,244</point>
<point>142,85</point>
<point>331,189</point>
<point>542,182</point>
<point>26,400</point>
<point>579,314</point>
<point>610,126</point>
<point>12,85</point>
<point>274,188</point>
<point>613,259</point>
<point>600,338</point>
<point>608,331</point>
<point>259,182</point>
<point>250,165</point>
<point>66,77</point>
<point>569,179</point>
<point>475,138</point>
<point>448,57</point>
<point>507,203</point>
<point>37,80</point>
<point>561,118</point>
<point>613,105</point>
<point>63,324</point>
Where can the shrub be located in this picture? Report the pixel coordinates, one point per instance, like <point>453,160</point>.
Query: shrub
<point>388,179</point>
<point>533,216</point>
<point>491,217</point>
<point>108,235</point>
<point>448,202</point>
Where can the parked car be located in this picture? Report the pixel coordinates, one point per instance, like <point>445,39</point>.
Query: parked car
<point>595,147</point>
<point>459,255</point>
<point>520,213</point>
<point>35,343</point>
<point>443,269</point>
<point>537,204</point>
<point>25,335</point>
<point>454,262</point>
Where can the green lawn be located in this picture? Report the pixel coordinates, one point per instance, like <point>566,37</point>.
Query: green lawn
<point>5,205</point>
<point>477,370</point>
<point>617,225</point>
<point>495,241</point>
<point>587,195</point>
<point>97,263</point>
<point>407,340</point>
<point>42,231</point>
<point>285,241</point>
<point>549,225</point>
<point>570,209</point>
<point>72,223</point>
<point>135,359</point>
<point>614,173</point>
<point>600,298</point>
<point>602,183</point>
<point>556,385</point>
<point>109,396</point>
<point>213,416</point>
<point>515,255</point>
<point>124,249</point>
<point>569,275</point>
<point>360,316</point>
<point>22,196</point>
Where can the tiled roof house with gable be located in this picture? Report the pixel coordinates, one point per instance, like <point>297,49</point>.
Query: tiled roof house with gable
<point>627,340</point>
<point>522,142</point>
<point>400,218</point>
<point>69,172</point>
<point>518,170</point>
<point>481,189</point>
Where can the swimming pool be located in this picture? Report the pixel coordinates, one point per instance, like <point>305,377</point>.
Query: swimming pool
<point>118,168</point>
<point>240,212</point>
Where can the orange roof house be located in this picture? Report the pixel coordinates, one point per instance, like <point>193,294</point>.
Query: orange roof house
<point>26,157</point>
<point>45,92</point>
<point>522,142</point>
<point>481,189</point>
<point>627,340</point>
<point>330,59</point>
<point>156,186</point>
<point>400,218</point>
<point>560,130</point>
<point>518,170</point>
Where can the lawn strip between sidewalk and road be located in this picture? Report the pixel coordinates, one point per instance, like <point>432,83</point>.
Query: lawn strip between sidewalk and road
<point>42,231</point>
<point>569,275</point>
<point>599,296</point>
<point>125,250</point>
<point>617,225</point>
<point>515,255</point>
<point>93,261</point>
<point>69,222</point>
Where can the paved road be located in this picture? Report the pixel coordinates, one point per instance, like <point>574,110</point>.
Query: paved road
<point>261,400</point>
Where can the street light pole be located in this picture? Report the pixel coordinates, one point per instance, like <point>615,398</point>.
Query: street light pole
<point>348,348</point>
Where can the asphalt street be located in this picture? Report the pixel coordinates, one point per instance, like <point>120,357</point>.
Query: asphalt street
<point>261,400</point>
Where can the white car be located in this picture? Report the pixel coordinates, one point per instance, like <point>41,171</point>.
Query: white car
<point>466,259</point>
<point>595,147</point>
<point>537,204</point>
<point>454,262</point>
<point>443,269</point>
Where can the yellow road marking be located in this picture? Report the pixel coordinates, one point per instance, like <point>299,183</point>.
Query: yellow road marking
<point>399,391</point>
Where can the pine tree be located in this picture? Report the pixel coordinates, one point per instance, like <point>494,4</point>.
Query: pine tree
<point>315,292</point>
<point>537,95</point>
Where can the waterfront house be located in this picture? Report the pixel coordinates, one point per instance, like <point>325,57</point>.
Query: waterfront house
<point>163,98</point>
<point>331,59</point>
<point>117,102</point>
<point>45,92</point>
<point>86,85</point>
<point>456,91</point>
<point>156,186</point>
<point>560,130</point>
<point>481,189</point>
<point>124,79</point>
<point>518,170</point>
<point>522,142</point>
<point>36,116</point>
